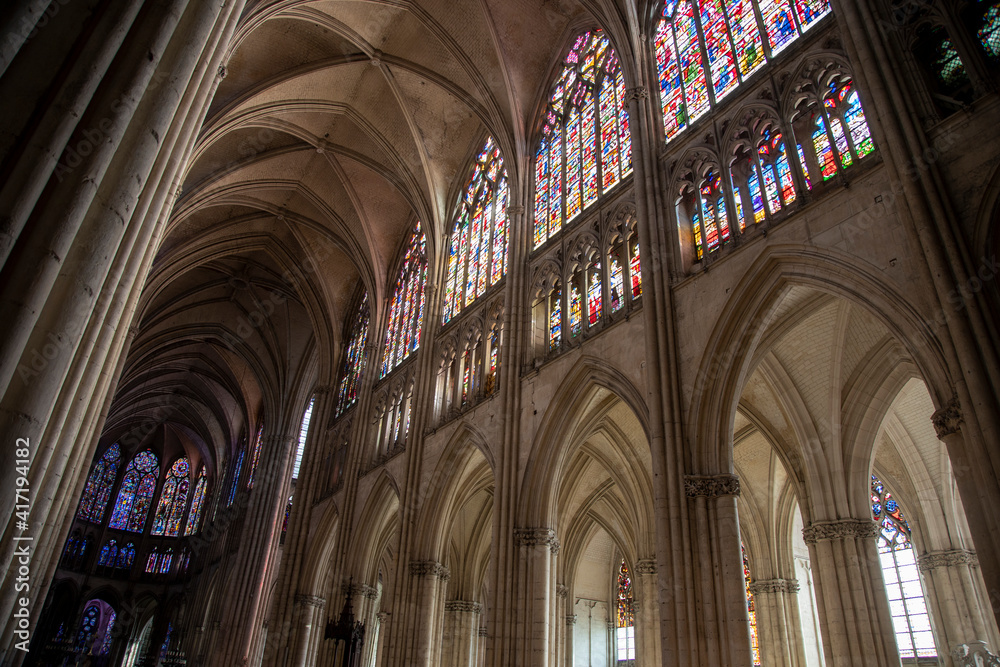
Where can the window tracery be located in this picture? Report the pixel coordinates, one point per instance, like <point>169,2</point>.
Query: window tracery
<point>354,358</point>
<point>173,500</point>
<point>625,617</point>
<point>197,503</point>
<point>477,257</point>
<point>586,146</point>
<point>99,484</point>
<point>391,415</point>
<point>901,576</point>
<point>136,493</point>
<point>406,310</point>
<point>706,48</point>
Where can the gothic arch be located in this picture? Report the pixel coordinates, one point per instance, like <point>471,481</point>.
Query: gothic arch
<point>725,364</point>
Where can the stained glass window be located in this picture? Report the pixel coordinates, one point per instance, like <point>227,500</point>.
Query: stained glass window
<point>153,561</point>
<point>575,316</point>
<point>136,493</point>
<point>98,488</point>
<point>108,633</point>
<point>625,616</point>
<point>354,358</point>
<point>840,134</point>
<point>752,610</point>
<point>109,554</point>
<point>173,500</point>
<point>555,318</point>
<point>616,282</point>
<point>165,560</point>
<point>165,646</point>
<point>255,458</point>
<point>406,310</point>
<point>88,627</point>
<point>989,28</point>
<point>284,523</point>
<point>706,48</point>
<point>594,294</point>
<point>184,561</point>
<point>634,268</point>
<point>477,257</point>
<point>303,435</point>
<point>586,146</point>
<point>235,482</point>
<point>902,579</point>
<point>197,503</point>
<point>126,556</point>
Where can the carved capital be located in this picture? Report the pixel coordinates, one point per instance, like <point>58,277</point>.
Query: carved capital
<point>382,616</point>
<point>936,559</point>
<point>483,632</point>
<point>948,420</point>
<point>775,586</point>
<point>562,591</point>
<point>463,605</point>
<point>361,591</point>
<point>974,654</point>
<point>533,537</point>
<point>570,619</point>
<point>515,210</point>
<point>839,529</point>
<point>645,566</point>
<point>429,568</point>
<point>711,486</point>
<point>303,600</point>
<point>637,93</point>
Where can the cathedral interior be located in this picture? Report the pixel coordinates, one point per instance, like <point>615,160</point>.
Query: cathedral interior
<point>557,333</point>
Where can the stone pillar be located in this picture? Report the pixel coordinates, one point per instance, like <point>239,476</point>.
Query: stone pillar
<point>461,633</point>
<point>647,616</point>
<point>956,600</point>
<point>537,549</point>
<point>561,609</point>
<point>719,582</point>
<point>428,579</point>
<point>310,621</point>
<point>568,660</point>
<point>776,606</point>
<point>853,609</point>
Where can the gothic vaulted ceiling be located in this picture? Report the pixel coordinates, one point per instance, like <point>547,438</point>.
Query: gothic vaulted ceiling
<point>338,125</point>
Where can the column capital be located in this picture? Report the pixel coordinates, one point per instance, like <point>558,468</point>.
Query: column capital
<point>515,209</point>
<point>429,568</point>
<point>532,537</point>
<point>570,619</point>
<point>304,600</point>
<point>562,591</point>
<point>382,616</point>
<point>948,558</point>
<point>646,566</point>
<point>483,632</point>
<point>711,486</point>
<point>839,529</point>
<point>360,590</point>
<point>948,420</point>
<point>637,93</point>
<point>463,605</point>
<point>775,586</point>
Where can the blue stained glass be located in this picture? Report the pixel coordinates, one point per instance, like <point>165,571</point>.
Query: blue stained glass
<point>136,493</point>
<point>108,633</point>
<point>173,500</point>
<point>197,503</point>
<point>236,480</point>
<point>126,556</point>
<point>98,488</point>
<point>109,554</point>
<point>88,627</point>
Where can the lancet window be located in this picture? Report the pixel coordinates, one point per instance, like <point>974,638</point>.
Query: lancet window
<point>197,504</point>
<point>136,493</point>
<point>625,617</point>
<point>706,48</point>
<point>477,256</point>
<point>751,610</point>
<point>586,146</point>
<point>255,458</point>
<point>173,500</point>
<point>98,489</point>
<point>303,436</point>
<point>910,620</point>
<point>354,358</point>
<point>406,310</point>
<point>234,483</point>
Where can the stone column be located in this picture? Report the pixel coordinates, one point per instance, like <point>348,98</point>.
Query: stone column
<point>537,548</point>
<point>310,621</point>
<point>561,609</point>
<point>720,586</point>
<point>570,623</point>
<point>461,633</point>
<point>853,609</point>
<point>956,600</point>
<point>776,603</point>
<point>647,616</point>
<point>428,579</point>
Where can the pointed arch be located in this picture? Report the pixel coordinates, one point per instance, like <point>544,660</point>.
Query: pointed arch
<point>136,493</point>
<point>97,492</point>
<point>173,500</point>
